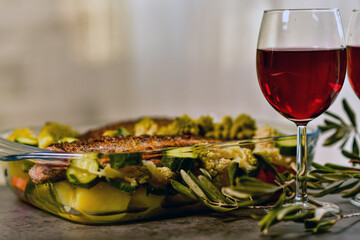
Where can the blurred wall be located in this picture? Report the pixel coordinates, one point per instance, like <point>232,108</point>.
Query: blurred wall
<point>80,61</point>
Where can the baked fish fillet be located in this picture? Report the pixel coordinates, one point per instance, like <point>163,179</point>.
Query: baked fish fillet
<point>41,172</point>
<point>106,144</point>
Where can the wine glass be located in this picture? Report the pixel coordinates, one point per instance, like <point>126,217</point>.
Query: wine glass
<point>301,66</point>
<point>353,51</point>
<point>353,58</point>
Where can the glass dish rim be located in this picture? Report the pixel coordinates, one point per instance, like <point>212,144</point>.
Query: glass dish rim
<point>312,131</point>
<point>302,10</point>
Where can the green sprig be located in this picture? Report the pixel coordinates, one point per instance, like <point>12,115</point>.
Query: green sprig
<point>245,191</point>
<point>343,132</point>
<point>249,192</point>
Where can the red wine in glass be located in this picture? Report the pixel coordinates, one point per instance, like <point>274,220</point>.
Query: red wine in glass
<point>354,67</point>
<point>301,65</point>
<point>301,83</point>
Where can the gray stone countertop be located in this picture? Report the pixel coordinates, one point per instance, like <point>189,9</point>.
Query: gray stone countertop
<point>19,220</point>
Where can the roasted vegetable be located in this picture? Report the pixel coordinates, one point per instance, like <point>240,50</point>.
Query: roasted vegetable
<point>52,132</point>
<point>184,125</point>
<point>81,172</point>
<point>221,130</point>
<point>21,133</point>
<point>146,126</point>
<point>121,131</point>
<point>243,127</point>
<point>180,158</point>
<point>205,124</point>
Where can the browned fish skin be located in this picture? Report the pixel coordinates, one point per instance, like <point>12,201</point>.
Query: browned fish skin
<point>43,172</point>
<point>129,125</point>
<point>106,144</point>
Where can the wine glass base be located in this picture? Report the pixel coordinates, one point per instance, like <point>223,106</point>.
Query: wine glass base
<point>308,205</point>
<point>334,208</point>
<point>356,201</point>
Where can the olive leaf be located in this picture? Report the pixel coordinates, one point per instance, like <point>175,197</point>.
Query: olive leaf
<point>337,136</point>
<point>182,189</point>
<point>355,147</point>
<point>338,179</point>
<point>334,116</point>
<point>313,216</point>
<point>350,155</point>
<point>248,192</point>
<point>350,113</point>
<point>202,189</point>
<point>342,132</point>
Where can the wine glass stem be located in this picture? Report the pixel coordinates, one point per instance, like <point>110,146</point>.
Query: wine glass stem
<point>301,168</point>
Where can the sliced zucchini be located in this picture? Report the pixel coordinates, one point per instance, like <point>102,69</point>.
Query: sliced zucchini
<point>180,158</point>
<point>21,132</point>
<point>110,133</point>
<point>287,147</point>
<point>68,140</point>
<point>125,187</point>
<point>27,141</point>
<point>52,132</point>
<point>121,131</point>
<point>120,160</point>
<point>80,171</point>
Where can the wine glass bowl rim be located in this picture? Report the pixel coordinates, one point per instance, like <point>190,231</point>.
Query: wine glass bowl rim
<point>304,10</point>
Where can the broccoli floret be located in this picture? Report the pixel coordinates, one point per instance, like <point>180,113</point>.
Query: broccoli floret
<point>205,124</point>
<point>221,130</point>
<point>183,125</point>
<point>227,123</point>
<point>146,126</point>
<point>243,127</point>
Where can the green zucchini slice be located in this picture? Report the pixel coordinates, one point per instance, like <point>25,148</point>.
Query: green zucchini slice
<point>180,158</point>
<point>120,160</point>
<point>80,173</point>
<point>27,141</point>
<point>125,187</point>
<point>287,147</point>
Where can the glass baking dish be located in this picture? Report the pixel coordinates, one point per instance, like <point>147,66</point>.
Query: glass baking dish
<point>108,201</point>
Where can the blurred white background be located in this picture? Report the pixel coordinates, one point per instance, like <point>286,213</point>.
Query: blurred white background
<point>88,60</point>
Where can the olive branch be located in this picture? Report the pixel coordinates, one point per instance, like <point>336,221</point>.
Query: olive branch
<point>248,192</point>
<point>245,191</point>
<point>343,132</point>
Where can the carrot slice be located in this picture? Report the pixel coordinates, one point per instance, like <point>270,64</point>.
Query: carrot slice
<point>18,183</point>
